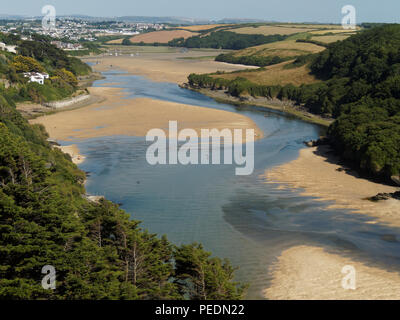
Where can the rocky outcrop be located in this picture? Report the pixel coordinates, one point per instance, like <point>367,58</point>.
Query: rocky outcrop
<point>315,143</point>
<point>386,196</point>
<point>67,102</point>
<point>396,179</point>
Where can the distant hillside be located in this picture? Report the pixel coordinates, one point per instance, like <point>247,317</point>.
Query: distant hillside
<point>299,40</point>
<point>359,85</point>
<point>271,53</point>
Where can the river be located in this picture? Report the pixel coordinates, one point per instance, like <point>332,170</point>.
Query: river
<point>236,217</point>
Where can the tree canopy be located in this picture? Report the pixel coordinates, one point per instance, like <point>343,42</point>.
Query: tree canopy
<point>98,252</point>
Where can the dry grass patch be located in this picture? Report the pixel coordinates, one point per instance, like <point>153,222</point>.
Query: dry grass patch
<point>162,36</point>
<point>275,75</point>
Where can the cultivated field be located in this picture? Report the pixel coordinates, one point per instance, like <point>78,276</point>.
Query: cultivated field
<point>330,39</point>
<point>204,27</point>
<point>287,48</point>
<point>311,26</point>
<point>341,30</point>
<point>158,36</point>
<point>270,30</point>
<point>162,36</point>
<point>274,75</point>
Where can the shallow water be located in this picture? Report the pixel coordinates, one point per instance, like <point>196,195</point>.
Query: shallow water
<point>237,217</point>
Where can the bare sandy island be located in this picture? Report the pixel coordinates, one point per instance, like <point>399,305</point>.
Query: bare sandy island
<point>311,273</point>
<point>135,117</point>
<point>317,174</point>
<point>168,67</point>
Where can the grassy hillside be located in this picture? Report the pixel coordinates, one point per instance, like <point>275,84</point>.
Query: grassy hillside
<point>271,53</point>
<point>278,74</point>
<point>300,40</point>
<point>358,84</point>
<point>232,36</point>
<point>272,29</point>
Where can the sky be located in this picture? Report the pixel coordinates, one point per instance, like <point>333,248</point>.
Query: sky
<point>270,10</point>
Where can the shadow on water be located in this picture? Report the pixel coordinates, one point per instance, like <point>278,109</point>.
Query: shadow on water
<point>238,217</point>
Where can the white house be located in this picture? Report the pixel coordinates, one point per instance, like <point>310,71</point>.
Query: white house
<point>12,49</point>
<point>36,77</point>
<point>5,47</point>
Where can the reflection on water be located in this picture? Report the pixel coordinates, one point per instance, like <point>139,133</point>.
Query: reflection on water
<point>237,217</point>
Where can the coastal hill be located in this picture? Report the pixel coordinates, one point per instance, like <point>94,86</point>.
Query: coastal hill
<point>234,36</point>
<point>355,81</point>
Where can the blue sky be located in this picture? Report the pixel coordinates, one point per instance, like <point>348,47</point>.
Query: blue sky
<point>279,10</point>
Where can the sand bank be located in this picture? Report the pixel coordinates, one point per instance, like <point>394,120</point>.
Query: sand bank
<point>316,173</point>
<point>135,117</point>
<point>311,273</point>
<point>168,67</point>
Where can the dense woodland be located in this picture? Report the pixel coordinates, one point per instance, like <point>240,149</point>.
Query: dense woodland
<point>251,60</point>
<point>225,40</point>
<point>360,87</point>
<point>46,219</point>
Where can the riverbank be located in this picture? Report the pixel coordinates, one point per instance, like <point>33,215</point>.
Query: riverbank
<point>277,105</point>
<point>33,110</point>
<point>117,115</point>
<point>312,273</point>
<point>317,173</point>
<point>107,112</point>
<point>176,67</point>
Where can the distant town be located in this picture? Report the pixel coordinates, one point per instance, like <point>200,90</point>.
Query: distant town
<point>74,29</point>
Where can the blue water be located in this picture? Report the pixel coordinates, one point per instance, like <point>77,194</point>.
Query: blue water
<point>237,217</point>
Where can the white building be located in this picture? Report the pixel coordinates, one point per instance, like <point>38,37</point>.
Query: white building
<point>36,77</point>
<point>5,47</point>
<point>12,49</point>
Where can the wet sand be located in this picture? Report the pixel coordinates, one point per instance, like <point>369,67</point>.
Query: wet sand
<point>305,272</point>
<point>316,173</point>
<point>311,273</point>
<point>115,115</point>
<point>168,67</point>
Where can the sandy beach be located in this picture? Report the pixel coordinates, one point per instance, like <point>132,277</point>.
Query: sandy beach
<point>316,174</point>
<point>111,114</point>
<point>305,272</point>
<point>311,273</point>
<point>115,115</point>
<point>168,67</point>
